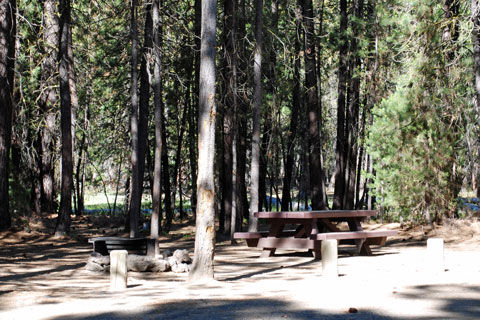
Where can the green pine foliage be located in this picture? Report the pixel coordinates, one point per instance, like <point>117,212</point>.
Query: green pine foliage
<point>417,135</point>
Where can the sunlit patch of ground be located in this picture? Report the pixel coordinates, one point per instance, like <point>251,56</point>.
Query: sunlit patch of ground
<point>42,277</point>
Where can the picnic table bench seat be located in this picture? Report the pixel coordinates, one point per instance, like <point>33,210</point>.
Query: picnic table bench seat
<point>104,245</point>
<point>375,237</point>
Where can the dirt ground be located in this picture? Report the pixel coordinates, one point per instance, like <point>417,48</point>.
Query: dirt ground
<point>45,278</point>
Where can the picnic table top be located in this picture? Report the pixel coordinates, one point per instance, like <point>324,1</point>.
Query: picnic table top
<point>318,214</point>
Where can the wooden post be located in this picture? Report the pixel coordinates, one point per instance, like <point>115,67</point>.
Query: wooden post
<point>330,258</point>
<point>435,255</point>
<point>118,269</point>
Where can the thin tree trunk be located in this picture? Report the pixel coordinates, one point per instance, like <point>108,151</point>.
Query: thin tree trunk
<point>342,79</point>
<point>7,63</point>
<point>195,105</point>
<point>166,176</point>
<point>320,96</point>
<point>358,201</point>
<point>117,187</point>
<point>134,210</point>
<point>202,267</point>
<point>235,225</point>
<point>192,148</point>
<point>72,82</point>
<point>178,153</point>
<point>228,114</point>
<point>243,110</point>
<point>227,167</point>
<point>155,225</point>
<point>257,105</point>
<point>372,97</point>
<point>63,221</point>
<point>353,111</point>
<point>314,111</point>
<point>143,113</point>
<point>229,188</point>
<point>296,106</point>
<point>80,170</point>
<point>48,103</point>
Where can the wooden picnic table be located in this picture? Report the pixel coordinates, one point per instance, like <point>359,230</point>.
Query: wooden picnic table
<point>312,227</point>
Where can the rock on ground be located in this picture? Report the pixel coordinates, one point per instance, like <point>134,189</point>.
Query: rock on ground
<point>178,262</point>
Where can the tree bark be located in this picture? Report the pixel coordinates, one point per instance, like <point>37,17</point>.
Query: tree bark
<point>194,111</point>
<point>166,176</point>
<point>257,105</point>
<point>202,267</point>
<point>134,210</point>
<point>296,106</point>
<point>353,111</point>
<point>342,79</point>
<point>63,221</point>
<point>243,111</point>
<point>230,188</point>
<point>7,63</point>
<point>178,152</point>
<point>314,111</point>
<point>48,103</point>
<point>143,111</point>
<point>155,224</point>
<point>228,113</point>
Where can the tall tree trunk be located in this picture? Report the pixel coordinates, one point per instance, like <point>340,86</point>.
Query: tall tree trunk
<point>155,224</point>
<point>228,112</point>
<point>202,267</point>
<point>72,82</point>
<point>243,105</point>
<point>134,210</point>
<point>236,216</point>
<point>194,111</point>
<point>178,152</point>
<point>320,96</point>
<point>372,95</point>
<point>353,110</point>
<point>230,187</point>
<point>143,111</point>
<point>192,149</point>
<point>48,102</point>
<point>63,221</point>
<point>7,63</point>
<point>81,162</point>
<point>257,105</point>
<point>342,80</point>
<point>314,110</point>
<point>296,106</point>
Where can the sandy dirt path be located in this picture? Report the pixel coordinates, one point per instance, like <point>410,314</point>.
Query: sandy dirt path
<point>44,278</point>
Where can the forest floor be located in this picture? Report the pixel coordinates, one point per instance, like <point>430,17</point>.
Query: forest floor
<point>42,277</point>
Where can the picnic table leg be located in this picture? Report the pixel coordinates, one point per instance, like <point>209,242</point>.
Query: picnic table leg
<point>275,230</point>
<point>311,228</point>
<point>362,246</point>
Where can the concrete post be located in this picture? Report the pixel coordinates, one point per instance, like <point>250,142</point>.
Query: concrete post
<point>118,269</point>
<point>435,255</point>
<point>330,258</point>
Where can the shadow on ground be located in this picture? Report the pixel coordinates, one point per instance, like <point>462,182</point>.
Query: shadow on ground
<point>279,309</point>
<point>230,309</point>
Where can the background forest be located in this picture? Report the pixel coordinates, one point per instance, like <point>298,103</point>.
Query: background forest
<point>320,104</point>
